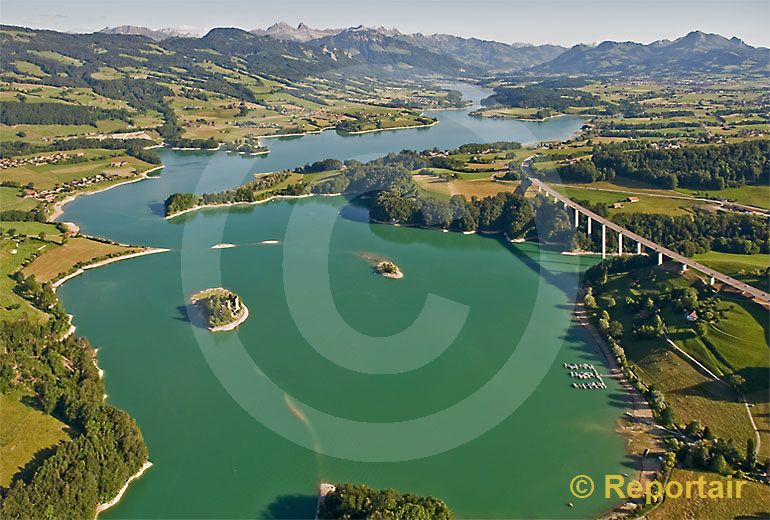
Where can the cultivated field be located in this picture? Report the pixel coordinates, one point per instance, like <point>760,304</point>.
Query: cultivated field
<point>24,433</point>
<point>61,259</point>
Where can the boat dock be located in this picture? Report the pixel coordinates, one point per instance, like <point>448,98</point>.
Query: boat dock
<point>585,371</point>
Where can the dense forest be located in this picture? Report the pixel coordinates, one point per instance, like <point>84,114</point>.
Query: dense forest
<point>698,167</point>
<point>61,379</point>
<point>21,113</point>
<point>505,212</point>
<point>726,232</point>
<point>350,501</point>
<point>537,96</point>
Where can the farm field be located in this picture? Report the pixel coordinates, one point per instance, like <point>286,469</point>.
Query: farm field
<point>752,504</point>
<point>480,188</point>
<point>24,433</point>
<point>691,393</point>
<point>752,269</point>
<point>47,176</point>
<point>646,204</point>
<point>61,259</point>
<point>12,255</point>
<point>42,134</point>
<point>758,196</point>
<point>10,200</point>
<point>32,229</point>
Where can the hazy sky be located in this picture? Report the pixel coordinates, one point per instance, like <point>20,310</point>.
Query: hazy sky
<point>535,21</point>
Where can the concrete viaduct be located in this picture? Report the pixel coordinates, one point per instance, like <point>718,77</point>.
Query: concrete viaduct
<point>642,243</point>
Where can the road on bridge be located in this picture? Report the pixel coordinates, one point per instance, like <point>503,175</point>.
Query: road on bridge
<point>742,287</point>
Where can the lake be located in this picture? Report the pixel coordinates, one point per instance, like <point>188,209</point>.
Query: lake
<point>448,382</point>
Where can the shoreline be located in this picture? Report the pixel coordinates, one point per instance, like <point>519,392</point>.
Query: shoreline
<point>58,206</point>
<point>148,251</point>
<point>360,132</point>
<point>103,507</point>
<point>229,204</point>
<point>322,130</point>
<point>637,411</point>
<point>234,324</point>
<point>228,326</point>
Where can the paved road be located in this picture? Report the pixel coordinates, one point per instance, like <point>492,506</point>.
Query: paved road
<point>744,288</point>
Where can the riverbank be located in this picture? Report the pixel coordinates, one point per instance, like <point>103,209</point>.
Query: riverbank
<point>58,207</point>
<point>103,507</point>
<point>149,251</point>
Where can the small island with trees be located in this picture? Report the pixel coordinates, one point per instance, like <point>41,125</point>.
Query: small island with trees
<point>389,269</point>
<point>219,309</point>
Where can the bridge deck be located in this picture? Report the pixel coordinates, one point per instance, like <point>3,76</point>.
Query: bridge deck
<point>689,262</point>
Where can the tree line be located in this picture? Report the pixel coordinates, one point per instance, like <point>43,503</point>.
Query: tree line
<point>252,191</point>
<point>361,501</point>
<point>18,113</point>
<point>699,167</point>
<point>536,96</point>
<point>687,235</point>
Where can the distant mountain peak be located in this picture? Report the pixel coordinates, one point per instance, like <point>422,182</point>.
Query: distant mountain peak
<point>155,34</point>
<point>301,33</point>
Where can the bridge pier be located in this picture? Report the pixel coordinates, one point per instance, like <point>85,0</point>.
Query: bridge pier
<point>638,248</point>
<point>604,241</point>
<point>590,221</point>
<point>577,218</point>
<point>712,281</point>
<point>660,258</point>
<point>683,268</point>
<point>620,244</point>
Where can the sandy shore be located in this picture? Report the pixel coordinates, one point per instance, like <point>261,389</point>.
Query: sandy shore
<point>102,507</point>
<point>101,263</point>
<point>58,207</point>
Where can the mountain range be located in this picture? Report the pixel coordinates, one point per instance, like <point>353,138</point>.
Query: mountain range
<point>155,34</point>
<point>695,53</point>
<point>282,47</point>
